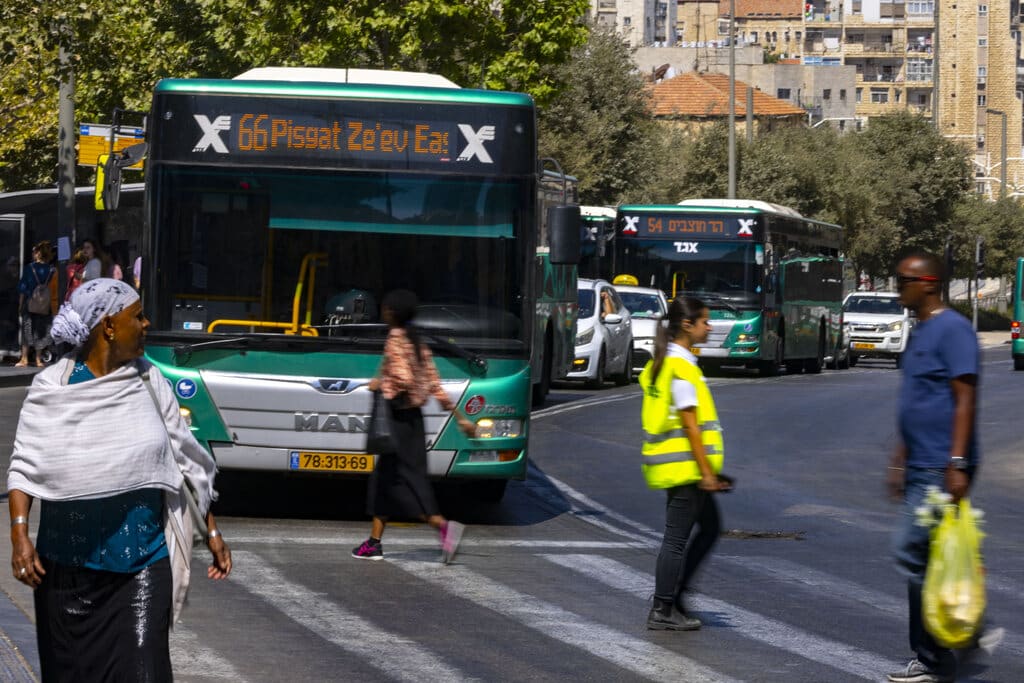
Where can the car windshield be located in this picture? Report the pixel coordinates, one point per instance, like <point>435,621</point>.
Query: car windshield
<point>586,303</point>
<point>642,305</point>
<point>874,304</point>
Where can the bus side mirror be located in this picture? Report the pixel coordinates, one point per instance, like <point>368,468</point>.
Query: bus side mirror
<point>564,235</point>
<point>771,281</point>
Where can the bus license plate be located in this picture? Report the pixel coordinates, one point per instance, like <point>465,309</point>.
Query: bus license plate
<point>331,462</point>
<point>863,345</point>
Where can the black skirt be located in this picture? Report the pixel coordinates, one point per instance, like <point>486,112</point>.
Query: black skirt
<point>104,626</point>
<point>399,486</point>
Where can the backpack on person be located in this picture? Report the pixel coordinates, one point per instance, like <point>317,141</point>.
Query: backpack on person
<point>39,300</point>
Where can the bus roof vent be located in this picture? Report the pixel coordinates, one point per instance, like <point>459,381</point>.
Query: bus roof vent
<point>366,76</point>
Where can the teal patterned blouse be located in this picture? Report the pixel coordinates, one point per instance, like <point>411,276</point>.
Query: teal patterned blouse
<point>122,533</point>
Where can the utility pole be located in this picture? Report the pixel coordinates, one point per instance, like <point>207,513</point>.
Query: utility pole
<point>732,99</point>
<point>979,266</point>
<point>66,146</point>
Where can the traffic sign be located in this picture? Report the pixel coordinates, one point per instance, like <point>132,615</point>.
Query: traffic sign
<point>94,140</point>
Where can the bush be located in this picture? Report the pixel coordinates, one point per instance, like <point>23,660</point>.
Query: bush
<point>989,319</point>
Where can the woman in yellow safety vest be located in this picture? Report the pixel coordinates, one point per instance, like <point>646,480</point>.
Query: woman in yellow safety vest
<point>682,454</point>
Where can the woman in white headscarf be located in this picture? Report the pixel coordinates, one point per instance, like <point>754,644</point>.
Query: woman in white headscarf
<point>101,443</point>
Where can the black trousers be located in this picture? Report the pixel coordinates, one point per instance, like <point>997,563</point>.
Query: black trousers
<point>95,626</point>
<point>685,506</point>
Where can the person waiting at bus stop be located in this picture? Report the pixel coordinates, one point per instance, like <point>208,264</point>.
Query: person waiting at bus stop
<point>399,484</point>
<point>682,454</point>
<point>108,456</point>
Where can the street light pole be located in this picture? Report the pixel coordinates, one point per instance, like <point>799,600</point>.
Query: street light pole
<point>732,99</point>
<point>1002,155</point>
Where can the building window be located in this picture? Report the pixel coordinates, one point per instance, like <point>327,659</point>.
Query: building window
<point>626,21</point>
<point>826,94</point>
<point>753,36</point>
<point>879,96</point>
<point>922,99</point>
<point>842,95</point>
<point>920,7</point>
<point>919,69</point>
<point>783,93</point>
<point>983,42</point>
<point>982,10</point>
<point>982,75</point>
<point>859,95</point>
<point>799,34</point>
<point>982,100</point>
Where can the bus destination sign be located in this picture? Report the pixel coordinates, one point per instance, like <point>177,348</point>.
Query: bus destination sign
<point>350,133</point>
<point>706,226</point>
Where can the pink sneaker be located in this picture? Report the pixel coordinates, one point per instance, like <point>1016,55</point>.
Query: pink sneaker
<point>451,534</point>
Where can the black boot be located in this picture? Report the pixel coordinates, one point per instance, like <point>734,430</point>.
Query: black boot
<point>665,617</point>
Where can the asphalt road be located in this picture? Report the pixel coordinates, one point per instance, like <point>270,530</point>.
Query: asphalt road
<point>555,582</point>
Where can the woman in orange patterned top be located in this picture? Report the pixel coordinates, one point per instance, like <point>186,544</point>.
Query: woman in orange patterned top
<point>399,484</point>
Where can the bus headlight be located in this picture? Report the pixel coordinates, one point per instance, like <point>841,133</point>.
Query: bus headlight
<point>585,338</point>
<point>895,327</point>
<point>186,415</point>
<point>747,338</point>
<point>488,428</point>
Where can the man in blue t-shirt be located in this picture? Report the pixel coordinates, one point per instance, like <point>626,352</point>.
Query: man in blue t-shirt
<point>938,444</point>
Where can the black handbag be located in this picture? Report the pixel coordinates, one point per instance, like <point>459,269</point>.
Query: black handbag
<point>380,433</point>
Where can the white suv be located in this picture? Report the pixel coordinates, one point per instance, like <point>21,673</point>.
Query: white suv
<point>877,324</point>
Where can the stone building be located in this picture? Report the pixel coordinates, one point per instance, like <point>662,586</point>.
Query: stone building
<point>640,22</point>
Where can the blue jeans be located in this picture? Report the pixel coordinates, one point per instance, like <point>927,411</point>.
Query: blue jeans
<point>910,546</point>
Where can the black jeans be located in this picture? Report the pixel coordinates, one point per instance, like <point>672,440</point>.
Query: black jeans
<point>685,506</point>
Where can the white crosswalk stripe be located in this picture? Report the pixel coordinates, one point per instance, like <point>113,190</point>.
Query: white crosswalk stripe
<point>621,649</point>
<point>777,634</point>
<point>190,658</point>
<point>394,655</point>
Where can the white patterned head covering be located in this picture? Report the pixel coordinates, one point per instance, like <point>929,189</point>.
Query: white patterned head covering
<point>93,301</point>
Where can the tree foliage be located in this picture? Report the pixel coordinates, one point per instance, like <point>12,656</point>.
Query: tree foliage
<point>122,48</point>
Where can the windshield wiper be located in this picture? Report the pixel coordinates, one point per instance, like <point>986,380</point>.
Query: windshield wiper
<point>715,298</point>
<point>476,362</point>
<point>186,350</point>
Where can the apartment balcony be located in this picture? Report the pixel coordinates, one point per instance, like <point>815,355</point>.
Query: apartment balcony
<point>878,108</point>
<point>924,110</point>
<point>606,5</point>
<point>869,77</point>
<point>894,50</point>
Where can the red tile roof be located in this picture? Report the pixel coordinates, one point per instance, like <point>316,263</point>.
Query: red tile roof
<point>695,94</point>
<point>770,9</point>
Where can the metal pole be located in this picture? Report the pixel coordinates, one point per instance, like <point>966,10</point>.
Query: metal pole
<point>977,283</point>
<point>732,99</point>
<point>66,150</point>
<point>750,114</point>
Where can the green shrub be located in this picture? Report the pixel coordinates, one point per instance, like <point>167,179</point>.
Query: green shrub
<point>989,319</point>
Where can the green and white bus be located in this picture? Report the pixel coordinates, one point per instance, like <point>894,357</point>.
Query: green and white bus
<point>282,205</point>
<point>1016,340</point>
<point>772,278</point>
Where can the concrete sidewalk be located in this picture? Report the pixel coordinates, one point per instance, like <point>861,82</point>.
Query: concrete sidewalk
<point>19,653</point>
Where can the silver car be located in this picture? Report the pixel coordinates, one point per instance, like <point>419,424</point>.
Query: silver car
<point>647,306</point>
<point>604,337</point>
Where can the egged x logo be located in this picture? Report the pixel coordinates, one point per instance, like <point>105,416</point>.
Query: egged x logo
<point>211,133</point>
<point>475,143</point>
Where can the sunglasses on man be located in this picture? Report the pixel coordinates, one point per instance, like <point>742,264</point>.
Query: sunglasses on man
<point>905,279</point>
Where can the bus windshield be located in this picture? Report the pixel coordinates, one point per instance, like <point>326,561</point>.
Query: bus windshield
<point>274,246</point>
<point>729,270</point>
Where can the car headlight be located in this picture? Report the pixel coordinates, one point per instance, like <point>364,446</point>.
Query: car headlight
<point>585,337</point>
<point>895,327</point>
<point>488,428</point>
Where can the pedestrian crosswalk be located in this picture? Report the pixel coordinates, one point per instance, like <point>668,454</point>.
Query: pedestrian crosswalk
<point>525,602</point>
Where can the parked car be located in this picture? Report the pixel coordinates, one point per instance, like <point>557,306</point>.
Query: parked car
<point>647,307</point>
<point>878,325</point>
<point>604,337</point>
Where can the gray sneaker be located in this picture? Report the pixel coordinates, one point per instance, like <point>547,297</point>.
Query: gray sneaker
<point>668,618</point>
<point>916,672</point>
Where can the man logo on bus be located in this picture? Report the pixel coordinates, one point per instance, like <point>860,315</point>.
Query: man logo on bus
<point>631,223</point>
<point>211,133</point>
<point>746,227</point>
<point>475,143</point>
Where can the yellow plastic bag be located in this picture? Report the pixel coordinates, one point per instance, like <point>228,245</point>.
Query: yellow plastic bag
<point>954,584</point>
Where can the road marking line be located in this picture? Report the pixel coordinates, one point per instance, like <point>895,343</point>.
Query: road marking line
<point>431,540</point>
<point>777,634</point>
<point>190,657</point>
<point>621,649</point>
<point>586,403</point>
<point>393,654</point>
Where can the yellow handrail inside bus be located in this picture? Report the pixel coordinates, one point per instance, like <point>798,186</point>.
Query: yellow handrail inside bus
<point>307,271</point>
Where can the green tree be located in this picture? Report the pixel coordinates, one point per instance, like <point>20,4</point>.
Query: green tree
<point>999,223</point>
<point>121,49</point>
<point>598,125</point>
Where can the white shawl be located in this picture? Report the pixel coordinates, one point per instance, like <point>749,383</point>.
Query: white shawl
<point>105,437</point>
